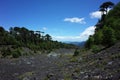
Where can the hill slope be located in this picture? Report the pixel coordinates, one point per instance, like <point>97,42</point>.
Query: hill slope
<point>107,29</point>
<point>104,65</point>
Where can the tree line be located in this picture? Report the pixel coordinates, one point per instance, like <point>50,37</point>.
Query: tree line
<point>107,31</point>
<point>22,37</point>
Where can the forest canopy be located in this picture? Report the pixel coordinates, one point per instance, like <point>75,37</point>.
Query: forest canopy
<point>107,31</point>
<point>29,38</point>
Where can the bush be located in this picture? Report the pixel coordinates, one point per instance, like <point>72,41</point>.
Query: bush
<point>6,52</point>
<point>74,59</point>
<point>76,53</point>
<point>95,48</point>
<point>16,53</point>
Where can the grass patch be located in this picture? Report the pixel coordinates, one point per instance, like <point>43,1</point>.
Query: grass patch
<point>25,75</point>
<point>74,59</point>
<point>67,76</point>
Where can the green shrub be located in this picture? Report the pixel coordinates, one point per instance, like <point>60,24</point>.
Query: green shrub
<point>95,49</point>
<point>74,59</point>
<point>16,53</point>
<point>76,53</point>
<point>6,52</point>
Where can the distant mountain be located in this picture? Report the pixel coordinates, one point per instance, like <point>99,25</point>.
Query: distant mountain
<point>80,44</point>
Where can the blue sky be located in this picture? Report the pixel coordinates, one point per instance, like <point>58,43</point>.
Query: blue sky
<point>64,20</point>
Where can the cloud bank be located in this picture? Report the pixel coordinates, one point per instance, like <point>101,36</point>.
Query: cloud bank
<point>87,32</point>
<point>96,14</point>
<point>82,37</point>
<point>75,20</point>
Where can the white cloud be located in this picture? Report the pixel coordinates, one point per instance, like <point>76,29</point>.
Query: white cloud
<point>96,14</point>
<point>87,32</point>
<point>44,28</point>
<point>82,37</point>
<point>75,20</point>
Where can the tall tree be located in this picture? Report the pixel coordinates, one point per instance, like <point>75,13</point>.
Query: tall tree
<point>1,29</point>
<point>104,7</point>
<point>39,35</point>
<point>48,37</point>
<point>102,11</point>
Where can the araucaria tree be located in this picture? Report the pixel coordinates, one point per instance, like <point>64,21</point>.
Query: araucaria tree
<point>104,7</point>
<point>107,31</point>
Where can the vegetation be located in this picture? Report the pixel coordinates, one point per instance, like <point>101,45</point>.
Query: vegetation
<point>18,37</point>
<point>106,34</point>
<point>76,53</point>
<point>6,52</point>
<point>104,7</point>
<point>95,48</point>
<point>16,53</point>
<point>107,29</point>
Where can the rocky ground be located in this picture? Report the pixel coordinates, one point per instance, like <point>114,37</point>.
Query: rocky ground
<point>104,65</point>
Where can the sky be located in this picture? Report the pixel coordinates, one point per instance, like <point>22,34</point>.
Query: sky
<point>64,20</point>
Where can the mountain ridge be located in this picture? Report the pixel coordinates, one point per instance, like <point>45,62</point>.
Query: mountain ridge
<point>77,43</point>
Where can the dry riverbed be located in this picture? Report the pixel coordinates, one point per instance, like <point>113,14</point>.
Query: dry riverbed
<point>58,65</point>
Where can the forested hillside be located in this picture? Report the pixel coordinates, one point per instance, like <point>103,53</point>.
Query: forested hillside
<point>18,37</point>
<point>107,31</point>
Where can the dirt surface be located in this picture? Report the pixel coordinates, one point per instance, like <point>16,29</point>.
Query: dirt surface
<point>104,65</point>
<point>37,67</point>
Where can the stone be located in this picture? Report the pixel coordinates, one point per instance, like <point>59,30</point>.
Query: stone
<point>110,63</point>
<point>25,78</point>
<point>75,76</point>
<point>98,77</point>
<point>28,63</point>
<point>50,75</point>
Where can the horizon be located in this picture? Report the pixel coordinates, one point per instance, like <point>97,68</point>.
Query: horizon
<point>65,20</point>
